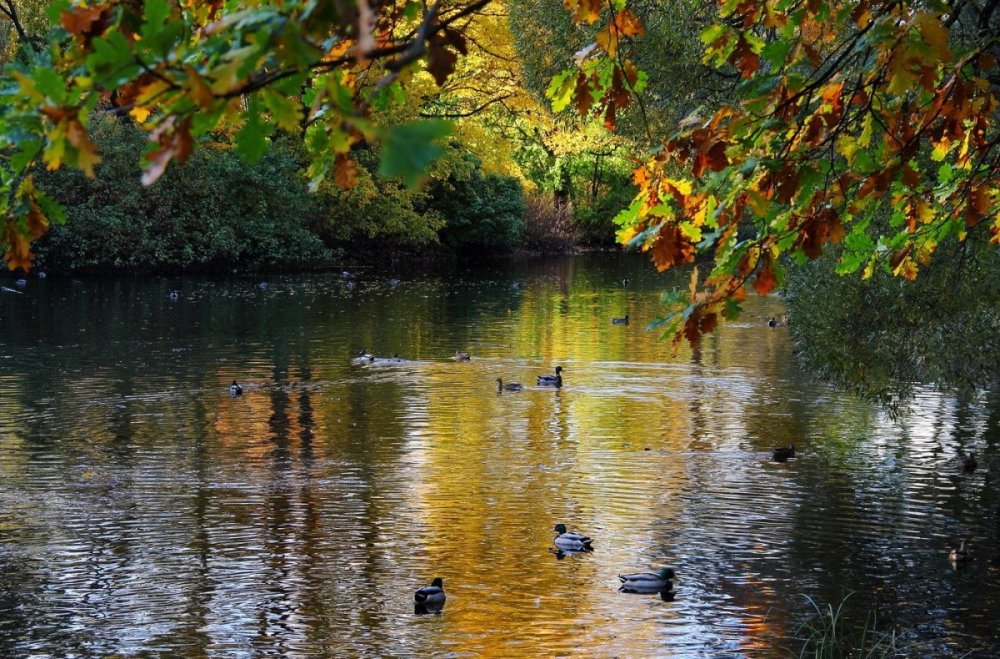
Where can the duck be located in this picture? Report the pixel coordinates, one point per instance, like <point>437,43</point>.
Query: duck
<point>235,389</point>
<point>551,380</point>
<point>461,356</point>
<point>510,386</point>
<point>782,453</point>
<point>432,594</point>
<point>620,321</point>
<point>174,296</point>
<point>625,282</point>
<point>647,582</point>
<point>969,463</point>
<point>364,357</point>
<point>959,556</point>
<point>571,541</point>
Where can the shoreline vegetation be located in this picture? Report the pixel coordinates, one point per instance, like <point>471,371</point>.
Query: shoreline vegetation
<point>217,214</point>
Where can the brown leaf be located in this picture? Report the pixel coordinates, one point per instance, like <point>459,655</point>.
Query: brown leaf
<point>698,323</point>
<point>345,171</point>
<point>609,116</point>
<point>440,61</point>
<point>584,99</point>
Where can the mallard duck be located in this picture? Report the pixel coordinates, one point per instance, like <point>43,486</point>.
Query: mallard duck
<point>551,380</point>
<point>364,357</point>
<point>462,356</point>
<point>432,594</point>
<point>235,389</point>
<point>510,386</point>
<point>959,556</point>
<point>571,541</point>
<point>782,453</point>
<point>969,463</point>
<point>647,582</point>
<point>625,282</point>
<point>620,321</point>
<point>174,296</point>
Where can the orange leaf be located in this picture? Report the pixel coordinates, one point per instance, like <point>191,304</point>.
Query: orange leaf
<point>765,281</point>
<point>584,11</point>
<point>18,254</point>
<point>629,24</point>
<point>671,248</point>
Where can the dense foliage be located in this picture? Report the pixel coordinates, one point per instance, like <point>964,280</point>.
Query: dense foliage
<point>882,336</point>
<point>213,213</point>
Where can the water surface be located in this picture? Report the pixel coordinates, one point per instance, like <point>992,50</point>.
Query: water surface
<point>144,511</point>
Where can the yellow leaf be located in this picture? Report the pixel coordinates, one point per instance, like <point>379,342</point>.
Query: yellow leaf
<point>151,91</point>
<point>140,114</point>
<point>197,89</point>
<point>933,33</point>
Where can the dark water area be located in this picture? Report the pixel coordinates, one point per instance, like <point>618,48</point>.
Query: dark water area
<point>146,512</point>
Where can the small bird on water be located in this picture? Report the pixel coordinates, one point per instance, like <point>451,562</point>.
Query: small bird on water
<point>235,389</point>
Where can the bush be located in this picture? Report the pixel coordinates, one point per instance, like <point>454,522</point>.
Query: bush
<point>479,210</point>
<point>214,212</point>
<point>548,225</point>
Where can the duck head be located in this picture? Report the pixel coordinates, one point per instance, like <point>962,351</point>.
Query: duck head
<point>560,528</point>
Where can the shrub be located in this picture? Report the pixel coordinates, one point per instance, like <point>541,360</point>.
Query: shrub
<point>548,225</point>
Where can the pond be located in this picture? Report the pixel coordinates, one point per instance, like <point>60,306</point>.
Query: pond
<point>145,511</point>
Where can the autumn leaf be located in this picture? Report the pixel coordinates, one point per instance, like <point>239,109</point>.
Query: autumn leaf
<point>766,280</point>
<point>345,172</point>
<point>584,11</point>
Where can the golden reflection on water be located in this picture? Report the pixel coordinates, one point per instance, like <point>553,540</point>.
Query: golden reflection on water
<point>299,518</point>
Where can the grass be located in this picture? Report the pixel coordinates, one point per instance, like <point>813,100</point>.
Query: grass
<point>831,633</point>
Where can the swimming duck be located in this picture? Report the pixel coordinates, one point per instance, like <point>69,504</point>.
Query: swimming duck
<point>620,321</point>
<point>551,380</point>
<point>511,386</point>
<point>235,390</point>
<point>462,356</point>
<point>782,453</point>
<point>432,594</point>
<point>647,582</point>
<point>571,541</point>
<point>625,282</point>
<point>969,463</point>
<point>364,357</point>
<point>960,555</point>
<point>174,296</point>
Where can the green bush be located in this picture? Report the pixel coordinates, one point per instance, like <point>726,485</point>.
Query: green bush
<point>214,212</point>
<point>479,210</point>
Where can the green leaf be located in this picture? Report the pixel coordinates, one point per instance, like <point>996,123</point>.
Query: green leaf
<point>251,141</point>
<point>776,51</point>
<point>50,83</point>
<point>407,149</point>
<point>112,61</point>
<point>560,91</point>
<point>53,209</point>
<point>23,157</point>
<point>157,13</point>
<point>285,111</point>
